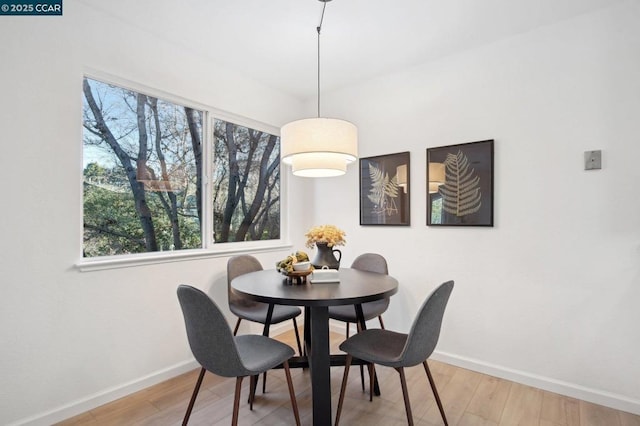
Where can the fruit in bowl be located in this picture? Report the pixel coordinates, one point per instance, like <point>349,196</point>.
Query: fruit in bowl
<point>286,265</point>
<point>302,266</point>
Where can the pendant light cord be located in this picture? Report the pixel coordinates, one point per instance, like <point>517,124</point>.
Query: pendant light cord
<point>318,28</point>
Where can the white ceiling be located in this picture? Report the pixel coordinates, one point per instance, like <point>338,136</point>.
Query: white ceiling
<point>275,41</point>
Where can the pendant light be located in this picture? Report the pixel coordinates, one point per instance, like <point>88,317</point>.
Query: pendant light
<point>319,147</point>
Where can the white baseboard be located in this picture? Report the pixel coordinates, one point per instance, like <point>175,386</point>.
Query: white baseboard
<point>92,401</point>
<point>111,394</point>
<point>618,402</point>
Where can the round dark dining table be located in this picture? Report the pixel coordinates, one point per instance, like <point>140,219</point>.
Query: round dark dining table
<point>354,288</point>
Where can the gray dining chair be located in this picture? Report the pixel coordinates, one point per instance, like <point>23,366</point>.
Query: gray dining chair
<point>371,262</point>
<point>217,350</point>
<point>256,311</point>
<point>399,350</point>
<point>251,310</point>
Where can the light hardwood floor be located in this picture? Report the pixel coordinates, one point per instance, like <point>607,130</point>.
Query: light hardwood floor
<point>469,399</point>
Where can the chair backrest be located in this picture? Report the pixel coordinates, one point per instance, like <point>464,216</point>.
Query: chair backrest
<point>371,262</point>
<point>425,330</point>
<point>210,337</point>
<point>236,266</point>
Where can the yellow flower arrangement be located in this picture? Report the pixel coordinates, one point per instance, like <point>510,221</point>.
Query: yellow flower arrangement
<point>329,234</point>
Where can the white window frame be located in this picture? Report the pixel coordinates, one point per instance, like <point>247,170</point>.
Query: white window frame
<point>210,249</point>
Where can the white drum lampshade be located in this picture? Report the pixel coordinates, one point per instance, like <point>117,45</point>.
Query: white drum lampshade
<point>319,147</point>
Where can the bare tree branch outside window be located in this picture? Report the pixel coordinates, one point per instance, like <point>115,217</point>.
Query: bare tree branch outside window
<point>140,172</point>
<point>246,199</point>
<point>143,176</point>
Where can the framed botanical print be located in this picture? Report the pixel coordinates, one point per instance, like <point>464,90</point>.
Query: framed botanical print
<point>385,189</point>
<point>460,184</point>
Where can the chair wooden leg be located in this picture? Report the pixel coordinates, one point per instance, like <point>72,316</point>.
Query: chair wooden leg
<point>193,397</point>
<point>253,382</point>
<point>343,387</point>
<point>295,329</point>
<point>359,329</point>
<point>235,330</point>
<point>292,394</point>
<point>405,394</point>
<point>372,375</point>
<point>381,322</point>
<point>435,392</point>
<point>347,330</point>
<point>265,332</point>
<point>236,401</point>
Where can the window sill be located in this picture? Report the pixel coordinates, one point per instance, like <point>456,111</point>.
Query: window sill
<point>143,259</point>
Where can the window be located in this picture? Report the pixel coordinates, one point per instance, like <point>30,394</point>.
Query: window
<point>144,181</point>
<point>246,199</point>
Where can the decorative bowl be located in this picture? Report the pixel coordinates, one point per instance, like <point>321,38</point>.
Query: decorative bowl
<point>301,266</point>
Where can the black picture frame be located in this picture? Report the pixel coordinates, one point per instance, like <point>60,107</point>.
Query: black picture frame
<point>385,190</point>
<point>460,184</point>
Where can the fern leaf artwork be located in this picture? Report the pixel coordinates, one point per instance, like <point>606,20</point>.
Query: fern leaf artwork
<point>383,191</point>
<point>461,193</point>
<point>376,193</point>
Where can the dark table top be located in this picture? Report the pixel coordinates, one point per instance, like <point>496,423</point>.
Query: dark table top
<point>355,286</point>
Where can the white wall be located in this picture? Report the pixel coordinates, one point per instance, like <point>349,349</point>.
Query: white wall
<point>71,340</point>
<point>549,295</point>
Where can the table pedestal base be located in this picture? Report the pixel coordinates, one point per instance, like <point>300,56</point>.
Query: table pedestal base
<point>319,365</point>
